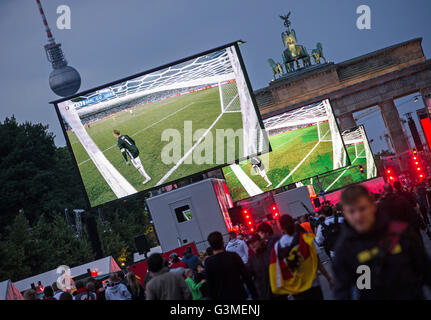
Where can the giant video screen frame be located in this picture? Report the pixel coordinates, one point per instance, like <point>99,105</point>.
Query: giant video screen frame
<point>305,141</point>
<point>163,125</point>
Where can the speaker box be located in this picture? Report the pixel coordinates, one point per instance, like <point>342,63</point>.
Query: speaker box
<point>235,214</point>
<point>142,244</point>
<point>93,234</point>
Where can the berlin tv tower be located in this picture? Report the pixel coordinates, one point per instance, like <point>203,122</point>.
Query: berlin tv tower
<point>63,80</point>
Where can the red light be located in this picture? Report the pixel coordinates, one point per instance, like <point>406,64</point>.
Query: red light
<point>274,208</point>
<point>426,126</point>
<point>416,163</point>
<point>414,158</point>
<point>247,217</point>
<point>249,222</point>
<point>245,211</point>
<point>392,178</point>
<point>419,169</point>
<point>388,171</point>
<point>252,229</point>
<point>421,176</point>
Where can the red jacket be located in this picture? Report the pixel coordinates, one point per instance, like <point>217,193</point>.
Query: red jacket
<point>179,264</point>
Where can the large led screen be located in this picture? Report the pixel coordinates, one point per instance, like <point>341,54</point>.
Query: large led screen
<point>149,130</point>
<point>305,142</point>
<point>362,165</point>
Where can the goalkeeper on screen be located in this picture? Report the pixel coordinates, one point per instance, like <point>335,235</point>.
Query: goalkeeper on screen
<point>259,168</point>
<point>128,147</point>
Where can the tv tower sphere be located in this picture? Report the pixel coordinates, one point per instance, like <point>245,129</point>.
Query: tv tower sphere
<point>63,80</point>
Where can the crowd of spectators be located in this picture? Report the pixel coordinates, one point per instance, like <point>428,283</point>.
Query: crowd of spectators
<point>382,231</point>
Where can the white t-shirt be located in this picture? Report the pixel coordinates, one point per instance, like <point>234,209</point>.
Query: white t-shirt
<point>239,247</point>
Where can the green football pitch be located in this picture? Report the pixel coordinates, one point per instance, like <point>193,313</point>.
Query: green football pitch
<point>145,126</point>
<point>343,177</point>
<point>296,155</point>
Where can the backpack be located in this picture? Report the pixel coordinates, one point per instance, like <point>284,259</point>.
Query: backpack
<point>331,234</point>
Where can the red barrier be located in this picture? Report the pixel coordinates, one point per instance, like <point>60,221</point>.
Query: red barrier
<point>140,269</point>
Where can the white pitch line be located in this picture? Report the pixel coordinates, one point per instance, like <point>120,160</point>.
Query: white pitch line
<point>116,181</point>
<point>342,173</point>
<point>250,187</point>
<point>163,119</point>
<point>300,163</point>
<point>163,179</point>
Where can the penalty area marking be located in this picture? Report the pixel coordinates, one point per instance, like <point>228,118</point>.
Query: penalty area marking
<point>248,184</point>
<point>342,173</point>
<point>302,161</point>
<point>146,128</point>
<point>175,167</point>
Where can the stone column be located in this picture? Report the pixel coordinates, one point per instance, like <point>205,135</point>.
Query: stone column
<point>347,121</point>
<point>393,124</point>
<point>426,97</point>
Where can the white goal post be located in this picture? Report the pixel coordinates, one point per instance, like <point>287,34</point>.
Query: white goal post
<point>371,166</point>
<point>339,155</point>
<point>315,114</point>
<point>252,132</point>
<point>355,137</point>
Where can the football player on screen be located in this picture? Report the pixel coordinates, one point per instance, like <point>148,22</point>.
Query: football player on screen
<point>128,147</point>
<point>259,168</point>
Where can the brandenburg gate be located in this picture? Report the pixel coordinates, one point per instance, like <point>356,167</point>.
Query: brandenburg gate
<point>373,79</point>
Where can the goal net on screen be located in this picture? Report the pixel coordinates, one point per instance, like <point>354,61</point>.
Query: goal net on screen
<point>201,72</point>
<point>358,138</point>
<point>319,115</point>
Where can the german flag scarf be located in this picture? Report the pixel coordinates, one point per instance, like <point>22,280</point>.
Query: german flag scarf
<point>293,264</point>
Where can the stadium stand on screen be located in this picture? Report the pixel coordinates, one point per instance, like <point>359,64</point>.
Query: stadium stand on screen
<point>162,126</point>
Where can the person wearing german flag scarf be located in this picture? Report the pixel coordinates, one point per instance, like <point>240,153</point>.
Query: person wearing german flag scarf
<point>294,262</point>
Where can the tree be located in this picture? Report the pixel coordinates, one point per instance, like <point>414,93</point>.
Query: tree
<point>112,243</point>
<point>14,249</point>
<point>66,191</point>
<point>50,243</point>
<point>34,175</point>
<point>125,220</point>
<point>38,181</point>
<point>68,249</point>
